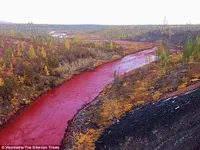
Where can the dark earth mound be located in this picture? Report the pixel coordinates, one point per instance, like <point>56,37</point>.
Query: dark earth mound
<point>172,124</point>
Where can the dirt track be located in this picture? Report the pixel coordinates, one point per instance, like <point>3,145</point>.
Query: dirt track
<point>171,124</point>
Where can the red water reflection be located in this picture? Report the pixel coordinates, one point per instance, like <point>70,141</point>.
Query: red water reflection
<point>44,121</point>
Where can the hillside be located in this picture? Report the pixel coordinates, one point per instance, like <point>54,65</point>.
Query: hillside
<point>130,92</point>
<point>170,124</point>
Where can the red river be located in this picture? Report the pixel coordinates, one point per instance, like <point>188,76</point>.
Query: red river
<point>45,120</point>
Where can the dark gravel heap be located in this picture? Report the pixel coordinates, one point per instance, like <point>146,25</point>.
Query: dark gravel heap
<point>172,124</point>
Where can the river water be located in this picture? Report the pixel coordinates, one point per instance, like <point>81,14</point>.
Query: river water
<point>45,120</point>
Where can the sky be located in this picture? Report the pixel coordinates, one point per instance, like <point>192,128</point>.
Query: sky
<point>111,12</point>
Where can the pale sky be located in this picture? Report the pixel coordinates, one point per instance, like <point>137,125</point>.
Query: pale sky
<point>120,12</point>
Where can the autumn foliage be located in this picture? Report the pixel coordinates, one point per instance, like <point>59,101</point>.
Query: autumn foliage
<point>31,66</point>
<point>145,85</point>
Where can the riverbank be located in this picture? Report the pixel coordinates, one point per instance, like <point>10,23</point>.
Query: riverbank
<point>135,89</point>
<point>54,108</point>
<point>59,75</point>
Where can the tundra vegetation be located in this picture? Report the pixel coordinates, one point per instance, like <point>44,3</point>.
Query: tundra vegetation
<point>31,64</point>
<point>32,61</point>
<point>172,72</point>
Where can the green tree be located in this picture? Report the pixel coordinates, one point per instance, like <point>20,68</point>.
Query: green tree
<point>188,49</point>
<point>160,49</point>
<point>167,54</point>
<point>196,49</point>
<point>163,53</point>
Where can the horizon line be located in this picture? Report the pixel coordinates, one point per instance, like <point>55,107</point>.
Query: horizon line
<point>78,24</point>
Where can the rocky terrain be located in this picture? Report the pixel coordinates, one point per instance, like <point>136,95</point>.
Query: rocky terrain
<point>170,124</point>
